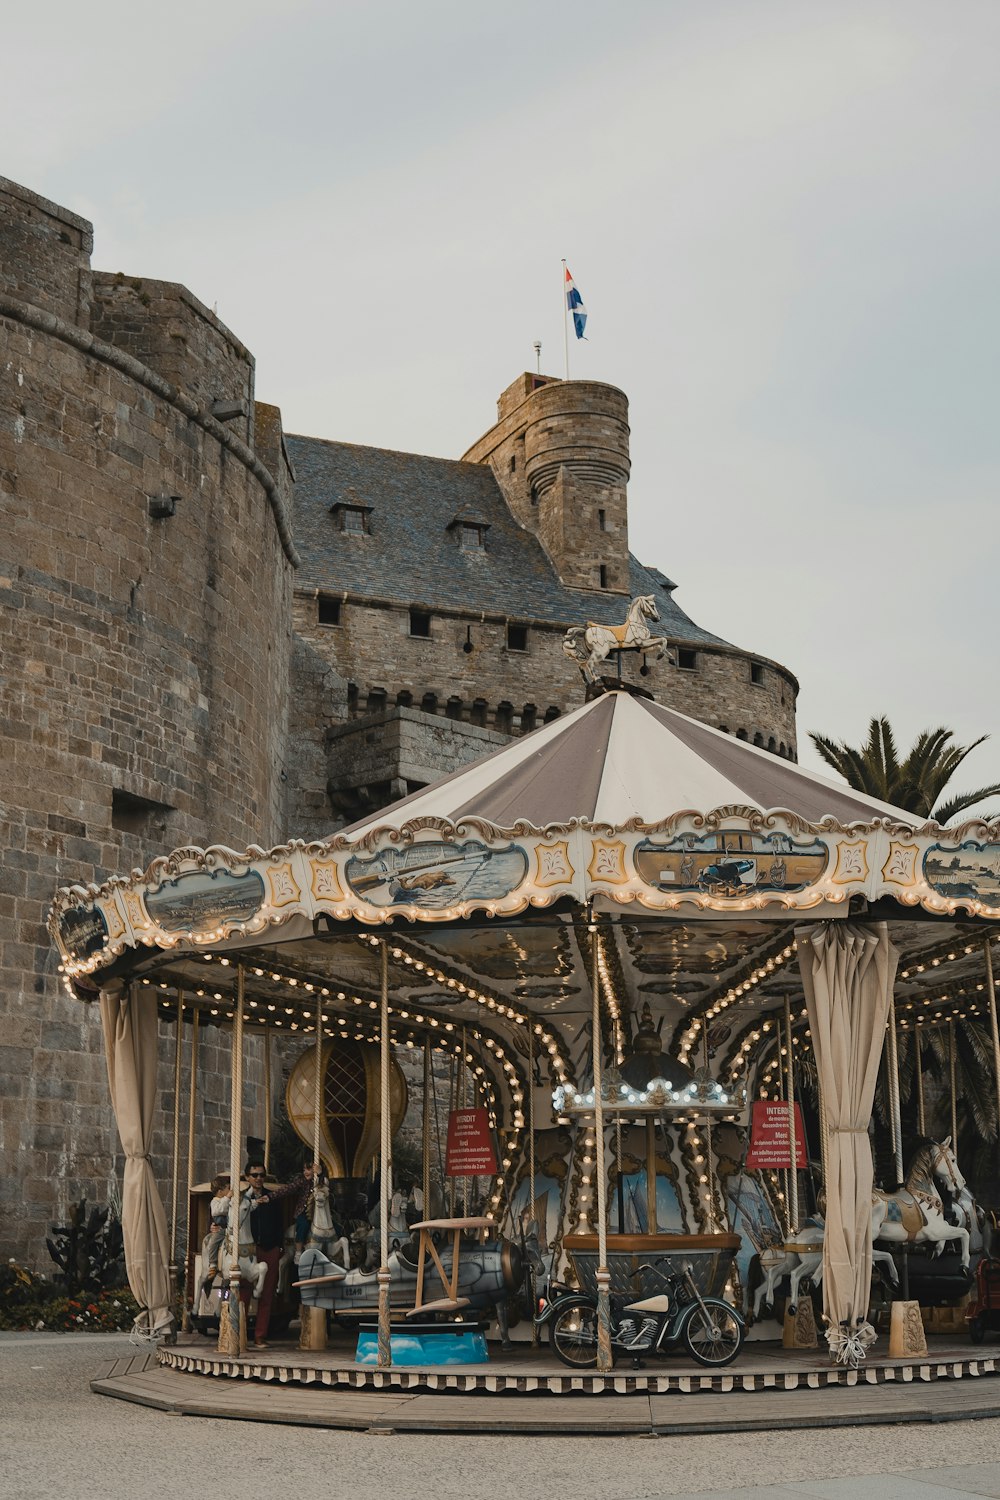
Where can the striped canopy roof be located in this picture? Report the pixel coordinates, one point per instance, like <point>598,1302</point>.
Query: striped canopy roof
<point>620,757</point>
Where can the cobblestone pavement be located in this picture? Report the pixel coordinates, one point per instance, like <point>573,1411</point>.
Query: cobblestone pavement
<point>58,1441</point>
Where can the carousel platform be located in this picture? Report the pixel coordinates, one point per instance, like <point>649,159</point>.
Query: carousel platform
<point>767,1387</point>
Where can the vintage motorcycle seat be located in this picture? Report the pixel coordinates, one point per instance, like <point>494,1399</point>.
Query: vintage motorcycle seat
<point>658,1304</point>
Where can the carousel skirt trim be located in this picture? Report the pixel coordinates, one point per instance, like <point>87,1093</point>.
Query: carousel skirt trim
<point>492,1381</point>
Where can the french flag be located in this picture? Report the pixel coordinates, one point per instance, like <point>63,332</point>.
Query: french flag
<point>574,304</point>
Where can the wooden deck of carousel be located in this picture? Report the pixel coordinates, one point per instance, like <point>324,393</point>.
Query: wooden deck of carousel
<point>528,1391</point>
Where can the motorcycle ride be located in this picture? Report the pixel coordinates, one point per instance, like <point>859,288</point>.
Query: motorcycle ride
<point>675,1317</point>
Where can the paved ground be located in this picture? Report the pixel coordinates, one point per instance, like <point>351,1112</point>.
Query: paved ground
<point>58,1441</point>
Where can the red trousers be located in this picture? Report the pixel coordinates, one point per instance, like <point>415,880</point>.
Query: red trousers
<point>270,1259</point>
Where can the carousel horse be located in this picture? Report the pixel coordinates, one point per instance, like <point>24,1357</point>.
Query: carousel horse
<point>323,1234</point>
<point>916,1213</point>
<point>802,1256</point>
<point>251,1269</point>
<point>588,645</point>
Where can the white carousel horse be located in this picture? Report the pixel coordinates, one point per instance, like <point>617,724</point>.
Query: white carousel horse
<point>799,1257</point>
<point>917,1213</point>
<point>588,645</point>
<point>323,1234</point>
<point>251,1269</point>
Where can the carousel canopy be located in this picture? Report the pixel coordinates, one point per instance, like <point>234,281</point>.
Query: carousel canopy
<point>621,757</point>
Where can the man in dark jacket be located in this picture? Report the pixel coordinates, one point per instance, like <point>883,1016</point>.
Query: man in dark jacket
<point>267,1224</point>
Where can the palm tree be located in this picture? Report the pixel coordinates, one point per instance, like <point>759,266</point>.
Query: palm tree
<point>913,784</point>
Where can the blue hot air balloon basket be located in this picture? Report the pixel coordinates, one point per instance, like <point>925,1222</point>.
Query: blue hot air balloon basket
<point>426,1344</point>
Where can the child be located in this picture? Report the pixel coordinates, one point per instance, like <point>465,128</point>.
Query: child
<point>222,1192</point>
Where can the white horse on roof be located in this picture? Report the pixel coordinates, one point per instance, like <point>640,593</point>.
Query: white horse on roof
<point>588,645</point>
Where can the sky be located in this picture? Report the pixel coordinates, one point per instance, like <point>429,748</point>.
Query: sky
<point>783,217</point>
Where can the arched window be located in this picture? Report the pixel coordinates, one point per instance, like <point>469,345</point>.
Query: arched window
<point>404,699</point>
<point>377,698</point>
<point>758,740</point>
<point>772,746</point>
<point>724,729</point>
<point>429,703</point>
<point>741,734</point>
<point>478,714</point>
<point>529,718</point>
<point>503,719</point>
<point>551,713</point>
<point>453,709</point>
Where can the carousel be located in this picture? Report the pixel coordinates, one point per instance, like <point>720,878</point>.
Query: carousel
<point>687,1000</point>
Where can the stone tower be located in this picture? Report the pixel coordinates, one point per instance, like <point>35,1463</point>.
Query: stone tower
<point>559,452</point>
<point>145,579</point>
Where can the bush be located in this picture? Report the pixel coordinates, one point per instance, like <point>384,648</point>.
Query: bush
<point>28,1300</point>
<point>88,1250</point>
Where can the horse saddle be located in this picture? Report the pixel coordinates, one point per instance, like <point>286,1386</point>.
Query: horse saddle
<point>904,1209</point>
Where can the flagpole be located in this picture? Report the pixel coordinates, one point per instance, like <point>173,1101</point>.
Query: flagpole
<point>565,319</point>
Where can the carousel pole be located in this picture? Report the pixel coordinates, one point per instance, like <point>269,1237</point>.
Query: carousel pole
<point>710,1172</point>
<point>531,1169</point>
<point>176,1147</point>
<point>894,1106</point>
<point>994,1029</point>
<point>312,1324</point>
<point>267,1098</point>
<point>452,1105</point>
<point>918,1063</point>
<point>603,1274</point>
<point>425,1181</point>
<point>232,1323</point>
<point>464,1078</point>
<point>951,1081</point>
<point>385,1172</point>
<point>192,1095</point>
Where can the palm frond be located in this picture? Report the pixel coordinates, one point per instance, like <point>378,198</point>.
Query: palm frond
<point>954,805</point>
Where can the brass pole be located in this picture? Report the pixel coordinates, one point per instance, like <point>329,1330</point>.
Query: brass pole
<point>603,1274</point>
<point>951,1078</point>
<point>531,1169</point>
<point>313,1323</point>
<point>426,1176</point>
<point>994,1030</point>
<point>192,1096</point>
<point>919,1066</point>
<point>232,1324</point>
<point>464,1077</point>
<point>894,1106</point>
<point>708,1145</point>
<point>176,1145</point>
<point>267,1097</point>
<point>793,1171</point>
<point>385,1173</point>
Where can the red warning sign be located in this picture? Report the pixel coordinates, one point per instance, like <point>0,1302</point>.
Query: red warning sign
<point>769,1145</point>
<point>470,1144</point>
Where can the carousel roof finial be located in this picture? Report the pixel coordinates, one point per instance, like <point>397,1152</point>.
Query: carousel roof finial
<point>589,645</point>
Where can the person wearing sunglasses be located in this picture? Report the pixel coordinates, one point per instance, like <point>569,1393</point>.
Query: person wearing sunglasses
<point>268,1226</point>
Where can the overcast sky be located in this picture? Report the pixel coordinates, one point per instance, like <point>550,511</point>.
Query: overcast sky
<point>782,215</point>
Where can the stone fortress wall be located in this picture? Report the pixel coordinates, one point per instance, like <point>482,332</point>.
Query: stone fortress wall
<point>145,578</point>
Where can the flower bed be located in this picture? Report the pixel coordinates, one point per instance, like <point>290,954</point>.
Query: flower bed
<point>29,1301</point>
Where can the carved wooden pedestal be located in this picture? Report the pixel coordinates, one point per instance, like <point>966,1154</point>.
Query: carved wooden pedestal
<point>906,1331</point>
<point>799,1331</point>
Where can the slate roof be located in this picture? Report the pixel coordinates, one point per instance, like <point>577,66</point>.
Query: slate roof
<point>412,558</point>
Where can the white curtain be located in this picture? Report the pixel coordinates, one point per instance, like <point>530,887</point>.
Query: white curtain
<point>130,1045</point>
<point>848,972</point>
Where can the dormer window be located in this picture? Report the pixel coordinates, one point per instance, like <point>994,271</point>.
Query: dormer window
<point>351,517</point>
<point>471,530</point>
